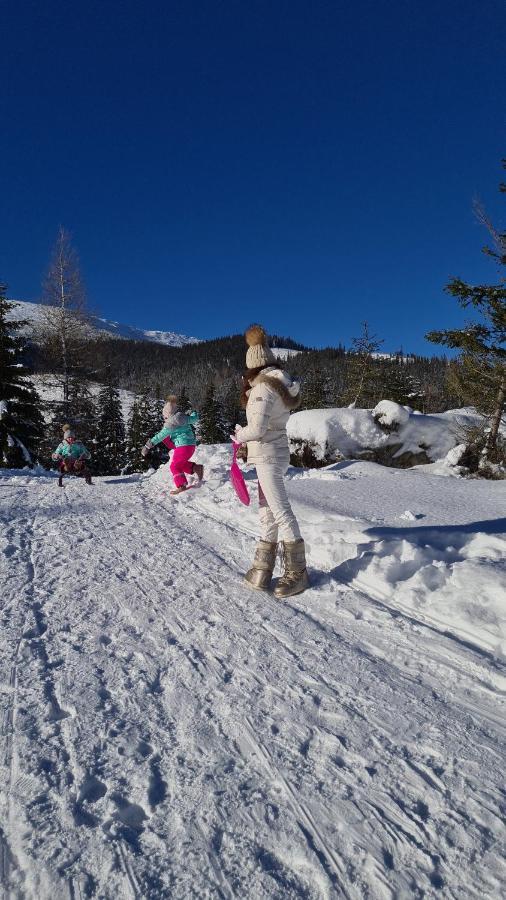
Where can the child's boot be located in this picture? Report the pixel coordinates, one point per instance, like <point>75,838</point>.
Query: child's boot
<point>60,480</point>
<point>198,470</point>
<point>294,579</point>
<point>180,489</point>
<point>260,574</point>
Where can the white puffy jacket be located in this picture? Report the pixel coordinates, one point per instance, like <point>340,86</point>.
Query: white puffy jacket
<point>272,396</point>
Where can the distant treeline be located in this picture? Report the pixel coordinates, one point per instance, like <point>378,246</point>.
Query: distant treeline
<point>329,375</point>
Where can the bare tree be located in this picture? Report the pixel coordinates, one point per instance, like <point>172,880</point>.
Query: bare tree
<point>64,320</point>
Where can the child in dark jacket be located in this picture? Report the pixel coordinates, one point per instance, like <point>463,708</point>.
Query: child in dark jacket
<point>178,429</point>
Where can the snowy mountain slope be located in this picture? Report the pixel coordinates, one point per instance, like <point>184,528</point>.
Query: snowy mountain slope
<point>31,312</point>
<point>49,390</point>
<point>168,733</point>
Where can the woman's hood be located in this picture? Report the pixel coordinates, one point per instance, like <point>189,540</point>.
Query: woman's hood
<point>280,381</point>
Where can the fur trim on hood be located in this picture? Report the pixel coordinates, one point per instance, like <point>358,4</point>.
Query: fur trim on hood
<point>176,420</point>
<point>287,388</point>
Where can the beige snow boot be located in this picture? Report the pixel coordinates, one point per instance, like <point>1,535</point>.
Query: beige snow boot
<point>260,574</point>
<point>294,579</point>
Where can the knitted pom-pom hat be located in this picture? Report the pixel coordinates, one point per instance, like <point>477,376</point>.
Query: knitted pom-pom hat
<point>259,353</point>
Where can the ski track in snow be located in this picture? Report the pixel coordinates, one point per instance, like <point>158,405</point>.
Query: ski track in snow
<point>166,732</point>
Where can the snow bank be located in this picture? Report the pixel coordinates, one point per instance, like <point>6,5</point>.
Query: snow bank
<point>432,548</point>
<point>335,433</point>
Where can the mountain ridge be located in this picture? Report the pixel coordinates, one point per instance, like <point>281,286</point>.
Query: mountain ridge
<point>30,311</point>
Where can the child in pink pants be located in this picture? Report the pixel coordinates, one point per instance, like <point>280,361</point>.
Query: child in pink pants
<point>178,433</point>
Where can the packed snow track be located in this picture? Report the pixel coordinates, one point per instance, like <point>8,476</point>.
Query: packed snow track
<point>167,733</point>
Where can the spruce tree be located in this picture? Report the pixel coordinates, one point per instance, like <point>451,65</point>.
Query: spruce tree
<point>143,423</point>
<point>363,372</point>
<point>135,440</point>
<point>399,384</point>
<point>184,402</point>
<point>110,439</point>
<point>314,390</point>
<point>231,410</point>
<point>212,427</point>
<point>79,412</point>
<point>21,422</point>
<point>482,344</point>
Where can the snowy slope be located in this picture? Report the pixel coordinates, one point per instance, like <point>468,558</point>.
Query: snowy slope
<point>31,312</point>
<point>49,390</point>
<point>168,733</point>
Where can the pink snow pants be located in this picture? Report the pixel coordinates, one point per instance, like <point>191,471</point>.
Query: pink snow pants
<point>180,463</point>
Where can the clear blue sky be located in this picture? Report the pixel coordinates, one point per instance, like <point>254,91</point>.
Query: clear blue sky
<point>306,164</point>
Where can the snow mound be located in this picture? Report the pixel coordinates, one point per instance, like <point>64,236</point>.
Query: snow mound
<point>390,414</point>
<point>345,432</point>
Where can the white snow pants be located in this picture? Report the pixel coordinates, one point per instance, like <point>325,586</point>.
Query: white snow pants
<point>276,514</point>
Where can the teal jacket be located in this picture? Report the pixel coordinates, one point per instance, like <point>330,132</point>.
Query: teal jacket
<point>75,450</point>
<point>179,429</point>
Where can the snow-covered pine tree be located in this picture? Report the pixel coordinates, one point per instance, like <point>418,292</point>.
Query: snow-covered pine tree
<point>110,439</point>
<point>212,427</point>
<point>21,423</point>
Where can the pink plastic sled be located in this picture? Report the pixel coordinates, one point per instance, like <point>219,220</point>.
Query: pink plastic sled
<point>237,479</point>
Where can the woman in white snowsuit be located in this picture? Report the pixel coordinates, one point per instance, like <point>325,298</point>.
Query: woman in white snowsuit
<point>269,396</point>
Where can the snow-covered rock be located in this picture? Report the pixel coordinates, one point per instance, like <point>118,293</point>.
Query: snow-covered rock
<point>343,432</point>
<point>390,415</point>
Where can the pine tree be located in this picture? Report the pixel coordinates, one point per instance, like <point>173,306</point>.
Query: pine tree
<point>79,412</point>
<point>212,427</point>
<point>184,402</point>
<point>481,344</point>
<point>21,422</point>
<point>143,423</point>
<point>136,438</point>
<point>362,368</point>
<point>231,410</point>
<point>314,390</point>
<point>110,440</point>
<point>399,384</point>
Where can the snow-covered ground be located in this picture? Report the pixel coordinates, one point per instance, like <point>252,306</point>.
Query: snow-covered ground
<point>168,733</point>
